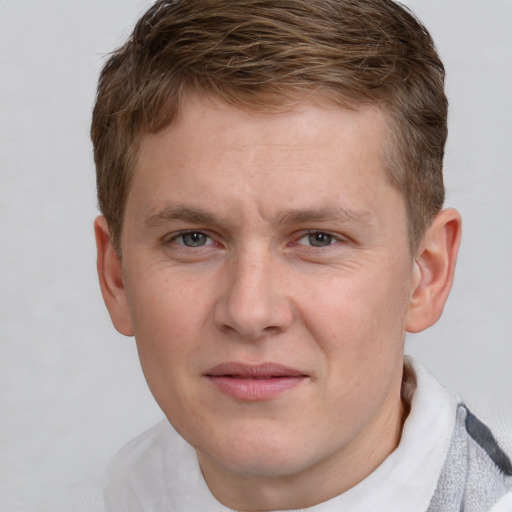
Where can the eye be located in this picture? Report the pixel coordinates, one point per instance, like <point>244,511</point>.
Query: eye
<point>192,239</point>
<point>317,239</point>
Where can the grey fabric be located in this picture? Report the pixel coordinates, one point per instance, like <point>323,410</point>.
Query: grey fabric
<point>470,480</point>
<point>485,438</point>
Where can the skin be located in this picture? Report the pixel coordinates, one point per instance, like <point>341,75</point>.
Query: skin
<point>275,239</point>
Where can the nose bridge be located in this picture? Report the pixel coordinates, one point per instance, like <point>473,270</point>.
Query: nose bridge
<point>254,303</point>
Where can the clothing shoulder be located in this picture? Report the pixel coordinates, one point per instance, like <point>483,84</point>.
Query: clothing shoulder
<point>476,473</point>
<point>136,471</point>
<point>158,471</point>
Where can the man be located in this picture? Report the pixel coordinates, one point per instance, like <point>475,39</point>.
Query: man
<point>270,178</point>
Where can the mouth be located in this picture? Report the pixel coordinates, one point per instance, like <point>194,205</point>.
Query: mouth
<point>254,382</point>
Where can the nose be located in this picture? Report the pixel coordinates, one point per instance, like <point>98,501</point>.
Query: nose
<point>254,302</point>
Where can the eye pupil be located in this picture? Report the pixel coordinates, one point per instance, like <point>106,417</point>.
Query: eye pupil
<point>194,239</point>
<point>320,239</point>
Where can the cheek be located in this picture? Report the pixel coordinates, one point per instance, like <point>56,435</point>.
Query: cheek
<point>361,315</point>
<point>167,329</point>
<point>168,316</point>
<point>163,303</point>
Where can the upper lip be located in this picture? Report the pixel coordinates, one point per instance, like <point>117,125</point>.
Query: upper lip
<point>253,371</point>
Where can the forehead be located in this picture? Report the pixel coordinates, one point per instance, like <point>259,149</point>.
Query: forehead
<point>218,128</point>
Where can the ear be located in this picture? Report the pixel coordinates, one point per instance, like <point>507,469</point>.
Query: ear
<point>434,268</point>
<point>110,275</point>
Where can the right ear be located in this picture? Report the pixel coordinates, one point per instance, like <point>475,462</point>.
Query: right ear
<point>110,274</point>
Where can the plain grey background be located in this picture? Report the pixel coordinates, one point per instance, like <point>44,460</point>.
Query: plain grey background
<point>71,391</point>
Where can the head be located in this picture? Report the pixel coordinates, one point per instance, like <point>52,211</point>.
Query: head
<point>270,178</point>
<point>267,56</point>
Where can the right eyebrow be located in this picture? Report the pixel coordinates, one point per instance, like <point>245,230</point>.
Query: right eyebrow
<point>191,215</point>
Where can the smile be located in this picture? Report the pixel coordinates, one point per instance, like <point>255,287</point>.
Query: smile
<point>254,382</point>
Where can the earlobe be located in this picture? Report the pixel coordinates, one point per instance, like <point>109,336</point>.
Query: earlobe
<point>111,278</point>
<point>434,269</point>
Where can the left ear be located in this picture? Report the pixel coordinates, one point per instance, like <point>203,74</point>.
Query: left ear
<point>434,268</point>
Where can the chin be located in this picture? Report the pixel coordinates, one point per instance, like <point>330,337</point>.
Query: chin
<point>263,456</point>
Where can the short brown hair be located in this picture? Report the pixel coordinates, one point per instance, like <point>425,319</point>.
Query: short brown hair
<point>266,55</point>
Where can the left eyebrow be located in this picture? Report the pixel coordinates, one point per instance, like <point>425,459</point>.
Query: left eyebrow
<point>329,213</point>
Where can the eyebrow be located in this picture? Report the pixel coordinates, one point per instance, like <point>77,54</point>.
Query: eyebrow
<point>193,215</point>
<point>328,213</point>
<point>183,213</point>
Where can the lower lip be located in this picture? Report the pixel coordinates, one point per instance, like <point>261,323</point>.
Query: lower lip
<point>255,389</point>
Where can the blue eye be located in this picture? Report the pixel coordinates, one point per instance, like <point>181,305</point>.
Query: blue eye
<point>192,239</point>
<point>320,239</point>
<point>317,239</point>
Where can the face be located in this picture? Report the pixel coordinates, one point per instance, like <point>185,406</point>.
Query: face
<point>267,278</point>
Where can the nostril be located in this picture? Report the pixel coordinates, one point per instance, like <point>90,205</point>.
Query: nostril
<point>252,324</point>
